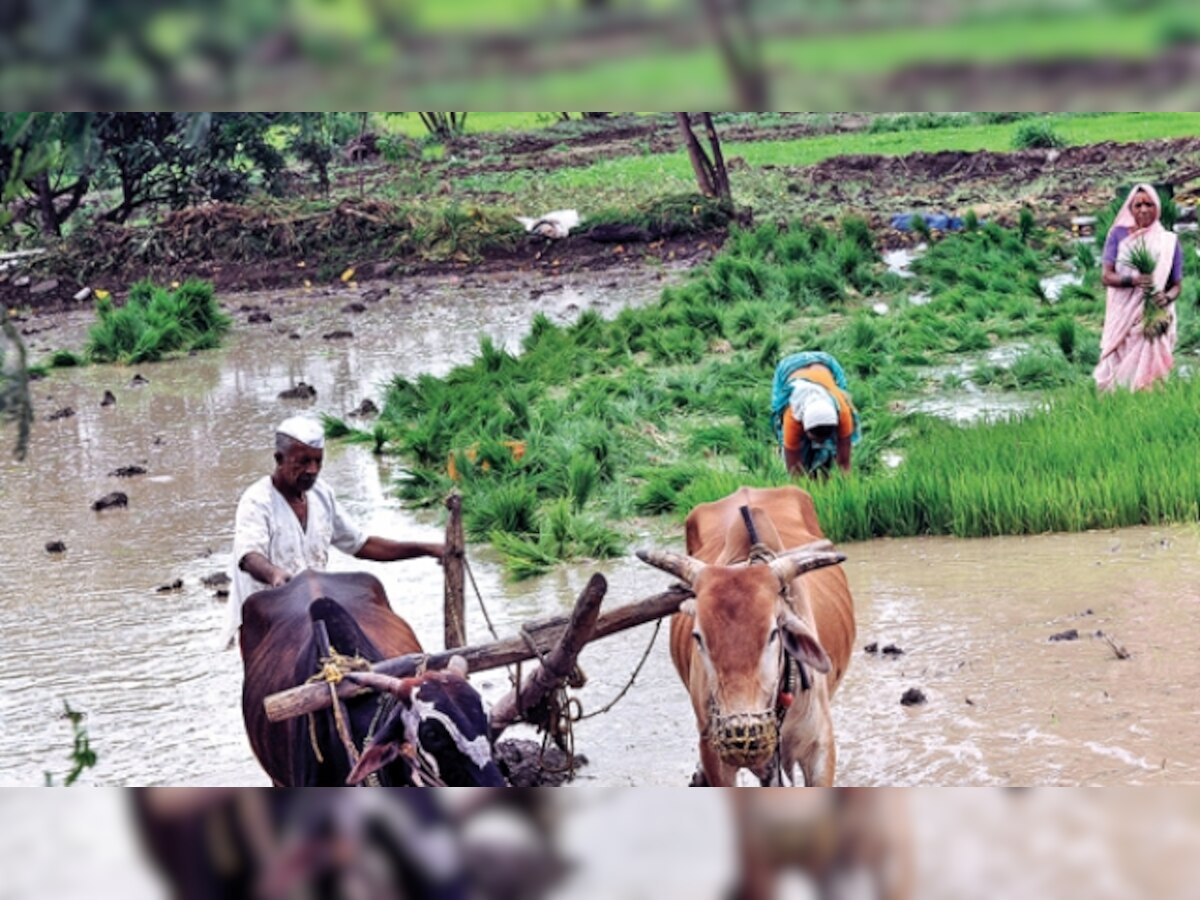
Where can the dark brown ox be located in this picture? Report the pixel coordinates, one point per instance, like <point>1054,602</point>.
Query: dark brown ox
<point>422,730</point>
<point>759,603</point>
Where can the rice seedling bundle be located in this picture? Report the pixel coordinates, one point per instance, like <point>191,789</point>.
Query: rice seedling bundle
<point>1155,319</point>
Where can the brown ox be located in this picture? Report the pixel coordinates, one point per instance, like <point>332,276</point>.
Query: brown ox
<point>757,604</point>
<point>849,842</point>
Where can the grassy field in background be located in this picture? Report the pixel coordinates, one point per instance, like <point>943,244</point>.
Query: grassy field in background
<point>819,66</point>
<point>634,179</point>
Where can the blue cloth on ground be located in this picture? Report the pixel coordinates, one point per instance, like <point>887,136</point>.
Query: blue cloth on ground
<point>936,221</point>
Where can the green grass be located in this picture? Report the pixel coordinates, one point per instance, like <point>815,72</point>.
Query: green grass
<point>819,66</point>
<point>639,179</point>
<point>640,415</point>
<point>1088,461</point>
<point>155,322</point>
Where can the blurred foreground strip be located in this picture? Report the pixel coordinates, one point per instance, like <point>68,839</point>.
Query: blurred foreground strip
<point>623,54</point>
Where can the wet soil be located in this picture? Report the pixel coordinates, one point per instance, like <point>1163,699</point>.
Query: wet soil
<point>1060,184</point>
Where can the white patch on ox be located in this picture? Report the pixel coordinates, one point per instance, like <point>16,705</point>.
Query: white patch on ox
<point>479,750</point>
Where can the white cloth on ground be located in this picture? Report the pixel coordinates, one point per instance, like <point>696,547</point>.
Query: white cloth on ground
<point>266,524</point>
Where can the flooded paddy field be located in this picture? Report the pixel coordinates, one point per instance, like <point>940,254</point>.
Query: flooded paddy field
<point>1005,705</point>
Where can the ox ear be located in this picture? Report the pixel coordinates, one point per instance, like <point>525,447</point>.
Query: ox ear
<point>375,757</point>
<point>802,644</point>
<point>688,607</point>
<point>685,568</point>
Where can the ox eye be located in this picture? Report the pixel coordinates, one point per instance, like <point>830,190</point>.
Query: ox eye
<point>698,639</point>
<point>774,636</point>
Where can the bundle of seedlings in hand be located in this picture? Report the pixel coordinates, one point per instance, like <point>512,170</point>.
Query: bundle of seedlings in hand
<point>1155,319</point>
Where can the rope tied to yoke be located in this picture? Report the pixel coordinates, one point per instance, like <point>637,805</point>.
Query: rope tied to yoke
<point>332,669</point>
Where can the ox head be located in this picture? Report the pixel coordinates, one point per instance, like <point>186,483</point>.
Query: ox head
<point>438,729</point>
<point>742,627</point>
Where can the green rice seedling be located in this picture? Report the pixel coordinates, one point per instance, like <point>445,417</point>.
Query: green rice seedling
<point>768,351</point>
<point>921,228</point>
<point>759,458</point>
<point>1041,368</point>
<point>1026,224</point>
<point>967,337</point>
<point>65,359</point>
<point>1155,319</point>
<point>523,558</point>
<point>716,439</point>
<point>509,506</point>
<point>971,221</point>
<point>335,427</point>
<point>1037,136</point>
<point>1066,334</point>
<point>660,493</point>
<point>583,475</point>
<point>858,231</point>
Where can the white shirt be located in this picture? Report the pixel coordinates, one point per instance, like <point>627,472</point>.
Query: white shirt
<point>266,524</point>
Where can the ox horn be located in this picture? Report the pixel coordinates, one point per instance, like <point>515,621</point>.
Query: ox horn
<point>377,681</point>
<point>805,559</point>
<point>685,568</point>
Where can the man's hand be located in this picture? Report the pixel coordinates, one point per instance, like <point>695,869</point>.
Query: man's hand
<point>279,578</point>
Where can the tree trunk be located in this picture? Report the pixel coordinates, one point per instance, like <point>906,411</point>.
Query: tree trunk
<point>732,24</point>
<point>45,195</point>
<point>700,162</point>
<point>711,174</point>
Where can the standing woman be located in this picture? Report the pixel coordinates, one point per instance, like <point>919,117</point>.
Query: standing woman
<point>1132,355</point>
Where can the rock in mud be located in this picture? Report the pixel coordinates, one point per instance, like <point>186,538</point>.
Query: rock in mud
<point>519,763</point>
<point>338,335</point>
<point>127,472</point>
<point>56,547</point>
<point>375,295</point>
<point>65,413</point>
<point>176,585</point>
<point>892,650</point>
<point>108,501</point>
<point>138,380</point>
<point>1071,634</point>
<point>913,697</point>
<point>354,308</point>
<point>366,408</point>
<point>872,647</point>
<point>82,294</point>
<point>302,391</point>
<point>259,317</point>
<point>215,580</point>
<point>44,287</point>
<point>109,399</point>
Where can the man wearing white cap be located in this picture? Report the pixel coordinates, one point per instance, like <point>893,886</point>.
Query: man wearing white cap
<point>287,521</point>
<point>817,421</point>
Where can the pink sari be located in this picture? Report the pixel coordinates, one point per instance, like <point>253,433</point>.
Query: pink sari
<point>1129,359</point>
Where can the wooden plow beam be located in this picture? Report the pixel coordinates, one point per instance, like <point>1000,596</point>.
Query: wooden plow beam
<point>539,638</point>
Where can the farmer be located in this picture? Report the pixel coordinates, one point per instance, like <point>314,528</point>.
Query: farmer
<point>814,419</point>
<point>1135,349</point>
<point>286,522</point>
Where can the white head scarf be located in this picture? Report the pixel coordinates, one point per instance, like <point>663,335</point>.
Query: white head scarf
<point>305,430</point>
<point>812,405</point>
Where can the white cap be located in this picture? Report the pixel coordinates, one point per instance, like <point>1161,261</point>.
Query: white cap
<point>304,429</point>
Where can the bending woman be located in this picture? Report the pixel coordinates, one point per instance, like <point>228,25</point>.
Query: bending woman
<point>1133,353</point>
<point>815,421</point>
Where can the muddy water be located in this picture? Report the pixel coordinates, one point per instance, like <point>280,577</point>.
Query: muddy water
<point>1004,704</point>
